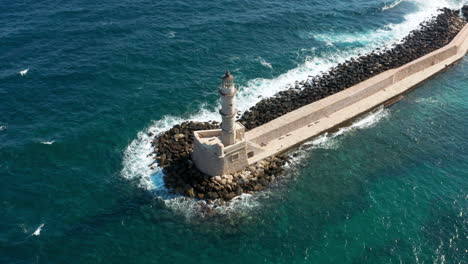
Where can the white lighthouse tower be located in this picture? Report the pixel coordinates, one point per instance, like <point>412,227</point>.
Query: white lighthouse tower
<point>228,109</point>
<point>225,150</point>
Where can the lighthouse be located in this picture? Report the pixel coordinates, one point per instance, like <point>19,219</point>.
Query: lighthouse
<point>228,109</point>
<point>225,150</point>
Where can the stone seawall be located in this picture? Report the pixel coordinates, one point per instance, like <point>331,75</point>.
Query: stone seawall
<point>300,118</point>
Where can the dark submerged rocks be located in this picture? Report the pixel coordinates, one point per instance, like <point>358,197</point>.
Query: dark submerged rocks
<point>430,36</point>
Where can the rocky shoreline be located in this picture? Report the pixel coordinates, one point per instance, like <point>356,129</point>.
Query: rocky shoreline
<point>171,149</point>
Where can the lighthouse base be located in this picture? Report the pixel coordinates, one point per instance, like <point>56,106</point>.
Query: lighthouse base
<point>213,158</point>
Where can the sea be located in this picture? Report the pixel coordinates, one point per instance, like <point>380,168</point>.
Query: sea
<point>82,83</point>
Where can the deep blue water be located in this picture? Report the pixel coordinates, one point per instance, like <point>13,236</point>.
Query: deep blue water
<point>76,188</point>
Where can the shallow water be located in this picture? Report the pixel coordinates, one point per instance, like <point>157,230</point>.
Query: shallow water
<point>391,188</point>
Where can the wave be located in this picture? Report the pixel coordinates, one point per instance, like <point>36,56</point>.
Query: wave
<point>136,161</point>
<point>391,33</point>
<point>3,128</point>
<point>171,34</point>
<point>23,72</point>
<point>428,100</point>
<point>392,5</point>
<point>48,142</point>
<point>264,62</point>
<point>38,230</point>
<point>332,140</point>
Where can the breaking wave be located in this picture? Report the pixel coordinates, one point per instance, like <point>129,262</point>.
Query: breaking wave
<point>391,33</point>
<point>23,72</point>
<point>264,62</point>
<point>392,5</point>
<point>428,100</point>
<point>171,34</point>
<point>136,162</point>
<point>38,230</point>
<point>332,140</point>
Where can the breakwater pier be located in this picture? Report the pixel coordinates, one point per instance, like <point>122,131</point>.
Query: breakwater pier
<point>208,162</point>
<point>311,120</point>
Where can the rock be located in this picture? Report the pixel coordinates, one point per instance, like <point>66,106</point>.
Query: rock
<point>191,192</point>
<point>212,195</point>
<point>179,189</point>
<point>230,195</point>
<point>229,177</point>
<point>178,136</point>
<point>258,187</point>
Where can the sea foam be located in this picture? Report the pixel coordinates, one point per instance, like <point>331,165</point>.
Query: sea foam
<point>391,33</point>
<point>38,230</point>
<point>392,5</point>
<point>24,72</point>
<point>264,62</point>
<point>332,140</point>
<point>171,34</point>
<point>136,160</point>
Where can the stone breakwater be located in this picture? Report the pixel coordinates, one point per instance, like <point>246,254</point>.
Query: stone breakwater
<point>172,148</point>
<point>431,35</point>
<point>177,143</point>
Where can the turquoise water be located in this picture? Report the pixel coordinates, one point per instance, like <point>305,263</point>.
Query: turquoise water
<point>76,188</point>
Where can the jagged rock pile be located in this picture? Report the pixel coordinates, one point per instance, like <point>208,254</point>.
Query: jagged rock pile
<point>173,149</point>
<point>177,142</point>
<point>431,35</point>
<point>184,178</point>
